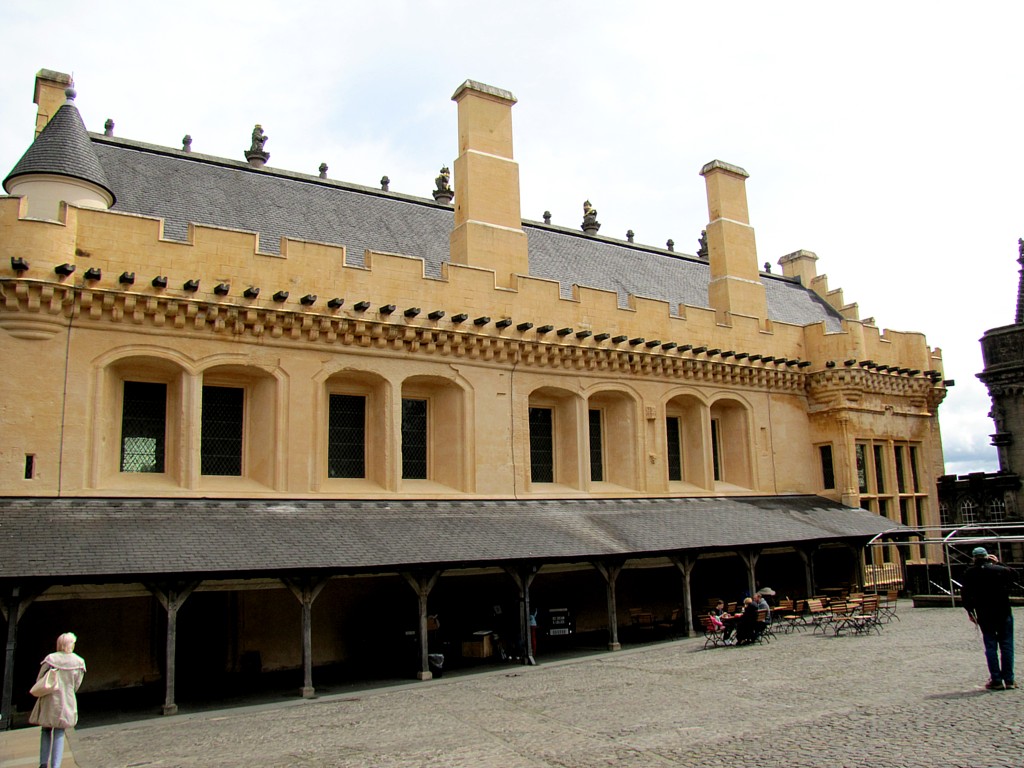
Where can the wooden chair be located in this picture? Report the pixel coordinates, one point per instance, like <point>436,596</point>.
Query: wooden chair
<point>817,614</point>
<point>642,622</point>
<point>670,627</point>
<point>868,618</point>
<point>841,616</point>
<point>792,619</point>
<point>763,628</point>
<point>713,634</point>
<point>887,606</point>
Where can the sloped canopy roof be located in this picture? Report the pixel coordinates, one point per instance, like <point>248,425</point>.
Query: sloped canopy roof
<point>80,539</point>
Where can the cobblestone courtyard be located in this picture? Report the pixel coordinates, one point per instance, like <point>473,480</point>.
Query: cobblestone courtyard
<point>911,696</point>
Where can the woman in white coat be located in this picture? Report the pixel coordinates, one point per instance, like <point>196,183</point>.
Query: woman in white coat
<point>58,710</point>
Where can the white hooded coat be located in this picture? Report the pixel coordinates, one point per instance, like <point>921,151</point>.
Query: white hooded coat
<point>60,709</point>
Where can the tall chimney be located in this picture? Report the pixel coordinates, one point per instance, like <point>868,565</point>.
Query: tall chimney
<point>735,285</point>
<point>488,222</point>
<point>49,95</point>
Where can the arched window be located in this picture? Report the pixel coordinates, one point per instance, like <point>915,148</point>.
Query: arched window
<point>357,427</point>
<point>730,444</point>
<point>685,441</point>
<point>554,445</point>
<point>612,423</point>
<point>996,509</point>
<point>968,511</point>
<point>434,442</point>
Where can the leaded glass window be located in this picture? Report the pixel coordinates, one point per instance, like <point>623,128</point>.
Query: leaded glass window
<point>346,436</point>
<point>143,426</point>
<point>596,452</point>
<point>414,439</point>
<point>542,445</point>
<point>223,414</point>
<point>675,448</point>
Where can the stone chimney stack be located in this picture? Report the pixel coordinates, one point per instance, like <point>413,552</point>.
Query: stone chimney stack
<point>49,95</point>
<point>735,285</point>
<point>488,222</point>
<point>800,264</point>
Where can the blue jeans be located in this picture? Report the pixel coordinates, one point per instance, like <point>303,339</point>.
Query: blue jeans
<point>56,736</point>
<point>999,641</point>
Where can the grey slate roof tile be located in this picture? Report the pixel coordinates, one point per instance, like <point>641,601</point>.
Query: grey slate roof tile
<point>185,188</point>
<point>118,538</point>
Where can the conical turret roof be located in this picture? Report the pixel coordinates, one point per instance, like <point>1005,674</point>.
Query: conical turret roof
<point>63,149</point>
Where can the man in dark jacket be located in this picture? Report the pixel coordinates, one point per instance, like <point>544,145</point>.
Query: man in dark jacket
<point>986,596</point>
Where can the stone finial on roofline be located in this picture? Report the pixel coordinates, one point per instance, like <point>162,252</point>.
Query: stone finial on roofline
<point>590,223</point>
<point>323,170</point>
<point>186,143</point>
<point>702,244</point>
<point>256,155</point>
<point>443,192</point>
<point>385,183</point>
<point>108,127</point>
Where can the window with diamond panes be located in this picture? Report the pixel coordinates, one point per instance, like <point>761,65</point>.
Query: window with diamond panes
<point>221,444</point>
<point>542,445</point>
<point>596,452</point>
<point>143,426</point>
<point>675,449</point>
<point>346,436</point>
<point>414,439</point>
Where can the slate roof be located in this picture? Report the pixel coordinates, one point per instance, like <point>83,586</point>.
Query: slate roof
<point>90,538</point>
<point>185,188</point>
<point>64,148</point>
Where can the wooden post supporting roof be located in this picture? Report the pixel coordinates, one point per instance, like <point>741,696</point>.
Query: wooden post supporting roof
<point>422,584</point>
<point>611,572</point>
<point>13,606</point>
<point>523,578</point>
<point>172,596</point>
<point>750,558</point>
<point>685,566</point>
<point>306,590</point>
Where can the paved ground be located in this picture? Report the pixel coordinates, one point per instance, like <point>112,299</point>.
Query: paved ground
<point>909,697</point>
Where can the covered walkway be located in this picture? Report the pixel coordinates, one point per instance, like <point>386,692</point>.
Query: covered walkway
<point>116,555</point>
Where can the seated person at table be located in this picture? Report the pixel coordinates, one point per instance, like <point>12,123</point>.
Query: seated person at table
<point>719,618</point>
<point>762,604</point>
<point>746,628</point>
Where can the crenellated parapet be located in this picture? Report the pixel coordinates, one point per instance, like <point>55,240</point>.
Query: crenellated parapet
<point>139,274</point>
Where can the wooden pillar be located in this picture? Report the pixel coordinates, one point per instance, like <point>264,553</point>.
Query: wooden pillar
<point>12,612</point>
<point>523,578</point>
<point>611,572</point>
<point>306,590</point>
<point>685,566</point>
<point>750,559</point>
<point>422,584</point>
<point>172,597</point>
<point>808,558</point>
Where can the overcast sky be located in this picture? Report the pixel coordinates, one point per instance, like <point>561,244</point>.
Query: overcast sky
<point>884,136</point>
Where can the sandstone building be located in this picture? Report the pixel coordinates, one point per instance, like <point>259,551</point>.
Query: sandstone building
<point>245,409</point>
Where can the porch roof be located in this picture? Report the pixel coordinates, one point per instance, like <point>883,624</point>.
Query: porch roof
<point>117,538</point>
